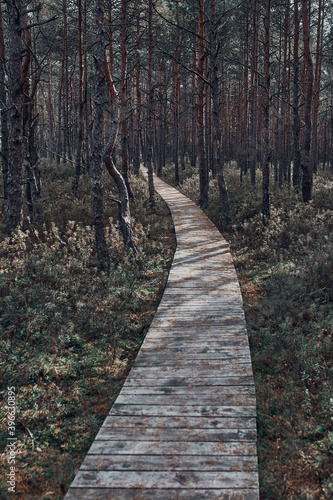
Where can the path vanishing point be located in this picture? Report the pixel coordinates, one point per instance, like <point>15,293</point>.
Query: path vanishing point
<point>184,423</point>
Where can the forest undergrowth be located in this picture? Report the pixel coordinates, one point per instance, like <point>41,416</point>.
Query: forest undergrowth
<point>286,273</point>
<point>69,333</point>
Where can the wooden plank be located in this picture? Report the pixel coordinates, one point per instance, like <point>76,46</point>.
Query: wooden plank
<point>172,448</point>
<point>187,399</point>
<point>206,391</point>
<point>207,344</point>
<point>181,411</point>
<point>116,422</point>
<point>158,494</point>
<point>170,434</point>
<point>210,371</point>
<point>137,381</point>
<point>165,479</point>
<point>169,358</point>
<point>176,463</point>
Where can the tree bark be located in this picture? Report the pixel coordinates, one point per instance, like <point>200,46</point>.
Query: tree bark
<point>15,118</point>
<point>123,99</point>
<point>317,80</point>
<point>296,117</point>
<point>217,130</point>
<point>97,142</point>
<point>203,178</point>
<point>306,150</point>
<point>123,202</point>
<point>266,106</point>
<point>254,94</point>
<point>3,107</point>
<point>78,157</point>
<point>150,106</point>
<point>136,159</point>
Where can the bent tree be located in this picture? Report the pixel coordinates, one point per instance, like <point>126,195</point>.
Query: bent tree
<point>101,152</point>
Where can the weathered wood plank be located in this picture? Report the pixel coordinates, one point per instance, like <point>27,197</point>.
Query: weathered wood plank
<point>158,494</point>
<point>203,368</point>
<point>172,448</point>
<point>116,422</point>
<point>207,391</point>
<point>179,411</point>
<point>201,435</point>
<point>176,463</point>
<point>165,479</point>
<point>136,381</point>
<point>187,399</point>
<point>169,358</point>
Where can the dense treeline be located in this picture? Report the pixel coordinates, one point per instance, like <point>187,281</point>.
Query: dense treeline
<point>191,82</point>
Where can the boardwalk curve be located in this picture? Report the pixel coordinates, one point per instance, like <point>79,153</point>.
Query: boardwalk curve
<point>184,424</point>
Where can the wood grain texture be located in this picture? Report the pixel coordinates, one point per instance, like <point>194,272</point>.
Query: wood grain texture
<point>184,424</point>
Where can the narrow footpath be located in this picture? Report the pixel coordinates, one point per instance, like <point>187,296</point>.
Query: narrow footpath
<point>184,424</point>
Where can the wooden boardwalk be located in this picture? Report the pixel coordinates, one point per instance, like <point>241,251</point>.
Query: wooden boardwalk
<point>184,424</point>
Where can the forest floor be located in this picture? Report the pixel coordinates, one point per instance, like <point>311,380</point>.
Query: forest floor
<point>68,333</point>
<point>286,273</point>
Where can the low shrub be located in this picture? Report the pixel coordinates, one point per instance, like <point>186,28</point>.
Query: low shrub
<point>69,333</point>
<point>285,268</point>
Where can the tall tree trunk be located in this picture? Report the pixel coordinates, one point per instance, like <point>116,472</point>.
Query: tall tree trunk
<point>66,125</point>
<point>15,118</point>
<point>283,118</point>
<point>97,141</point>
<point>203,178</point>
<point>217,131</point>
<point>78,157</point>
<point>194,124</point>
<point>3,107</point>
<point>136,159</point>
<point>305,154</point>
<point>244,148</point>
<point>123,99</point>
<point>175,141</point>
<point>150,105</point>
<point>317,79</point>
<point>265,103</point>
<point>254,94</point>
<point>296,117</point>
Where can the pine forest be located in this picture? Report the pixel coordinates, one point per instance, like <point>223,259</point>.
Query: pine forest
<point>230,102</point>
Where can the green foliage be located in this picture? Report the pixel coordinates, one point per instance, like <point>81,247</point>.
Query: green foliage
<point>69,333</point>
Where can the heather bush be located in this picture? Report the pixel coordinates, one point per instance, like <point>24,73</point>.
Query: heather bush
<point>68,332</point>
<point>285,269</point>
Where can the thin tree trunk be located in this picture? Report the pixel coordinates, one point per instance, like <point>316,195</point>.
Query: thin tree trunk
<point>150,105</point>
<point>97,141</point>
<point>296,117</point>
<point>265,102</point>
<point>203,198</point>
<point>217,131</point>
<point>254,94</point>
<point>15,118</point>
<point>78,157</point>
<point>306,150</point>
<point>136,159</point>
<point>3,106</point>
<point>123,99</point>
<point>317,79</point>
